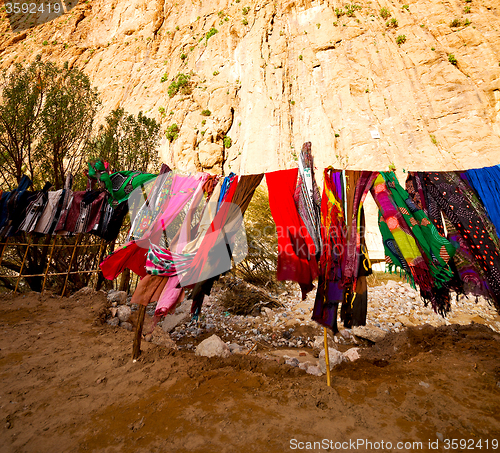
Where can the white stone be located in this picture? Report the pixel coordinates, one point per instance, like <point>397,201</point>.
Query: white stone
<point>127,326</point>
<point>85,291</point>
<point>391,284</point>
<point>213,347</point>
<point>180,315</point>
<point>235,348</point>
<point>267,312</point>
<point>123,313</point>
<point>117,296</point>
<point>334,358</point>
<point>352,354</point>
<point>162,338</point>
<point>314,370</point>
<point>113,322</point>
<point>369,333</point>
<point>345,333</point>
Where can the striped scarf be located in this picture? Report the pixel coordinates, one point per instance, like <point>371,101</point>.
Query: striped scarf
<point>412,243</point>
<point>307,197</point>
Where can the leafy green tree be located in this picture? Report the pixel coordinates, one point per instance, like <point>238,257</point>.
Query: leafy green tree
<point>66,124</point>
<point>127,142</point>
<point>46,118</point>
<point>259,267</point>
<point>22,97</point>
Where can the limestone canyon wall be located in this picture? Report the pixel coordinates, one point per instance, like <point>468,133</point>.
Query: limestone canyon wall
<point>276,74</point>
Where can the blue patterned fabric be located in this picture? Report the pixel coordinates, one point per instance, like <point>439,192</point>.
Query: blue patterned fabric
<point>486,182</point>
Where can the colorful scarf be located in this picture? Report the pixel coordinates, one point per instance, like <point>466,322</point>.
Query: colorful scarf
<point>436,250</point>
<point>120,184</point>
<point>14,206</point>
<point>330,286</point>
<point>359,184</point>
<point>296,249</point>
<point>153,204</point>
<point>214,253</point>
<point>400,222</point>
<point>133,253</point>
<point>456,199</point>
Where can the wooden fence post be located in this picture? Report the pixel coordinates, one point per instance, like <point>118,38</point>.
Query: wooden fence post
<point>71,262</point>
<point>48,264</point>
<point>3,250</point>
<point>22,265</point>
<point>136,350</point>
<point>100,278</point>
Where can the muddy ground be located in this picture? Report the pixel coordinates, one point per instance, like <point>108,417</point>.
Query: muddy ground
<point>68,384</point>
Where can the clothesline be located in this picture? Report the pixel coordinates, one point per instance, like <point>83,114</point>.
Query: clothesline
<point>412,243</point>
<point>319,236</point>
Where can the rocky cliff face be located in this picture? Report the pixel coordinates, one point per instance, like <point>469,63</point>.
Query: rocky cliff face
<point>276,74</point>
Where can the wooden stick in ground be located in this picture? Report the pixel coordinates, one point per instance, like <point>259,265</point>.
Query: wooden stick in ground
<point>71,262</point>
<point>48,263</point>
<point>251,349</point>
<point>22,265</point>
<point>3,249</point>
<point>327,360</point>
<point>136,350</point>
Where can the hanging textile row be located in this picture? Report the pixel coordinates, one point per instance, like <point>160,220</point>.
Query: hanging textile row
<point>65,212</point>
<point>440,231</point>
<point>319,236</point>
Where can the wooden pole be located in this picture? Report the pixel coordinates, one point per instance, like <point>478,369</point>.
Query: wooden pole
<point>22,265</point>
<point>48,264</point>
<point>71,263</point>
<point>327,360</point>
<point>3,250</point>
<point>100,278</point>
<point>136,350</point>
<point>125,280</point>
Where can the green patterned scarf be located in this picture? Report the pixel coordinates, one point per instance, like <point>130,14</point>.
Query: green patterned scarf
<point>412,242</point>
<point>436,250</point>
<point>120,184</point>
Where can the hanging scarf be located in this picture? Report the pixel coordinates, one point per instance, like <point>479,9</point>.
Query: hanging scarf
<point>359,184</point>
<point>52,212</point>
<point>435,249</point>
<point>486,182</point>
<point>120,184</point>
<point>242,197</point>
<point>14,206</point>
<point>296,249</point>
<point>466,213</point>
<point>153,204</point>
<point>330,286</point>
<point>133,253</point>
<point>34,209</point>
<point>214,253</point>
<point>400,247</point>
<point>307,197</point>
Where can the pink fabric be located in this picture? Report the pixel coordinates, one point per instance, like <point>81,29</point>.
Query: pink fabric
<point>173,292</point>
<point>132,255</point>
<point>214,235</point>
